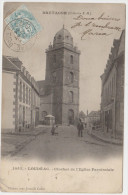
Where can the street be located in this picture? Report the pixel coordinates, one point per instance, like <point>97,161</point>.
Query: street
<point>66,145</point>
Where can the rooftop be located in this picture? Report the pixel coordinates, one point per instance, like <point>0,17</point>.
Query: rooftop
<point>63,36</point>
<point>8,64</point>
<point>94,113</point>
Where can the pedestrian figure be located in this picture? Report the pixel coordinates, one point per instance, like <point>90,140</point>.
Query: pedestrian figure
<point>53,129</point>
<point>80,128</point>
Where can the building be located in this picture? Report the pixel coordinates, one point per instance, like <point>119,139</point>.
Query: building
<point>26,102</point>
<point>112,96</point>
<point>20,97</point>
<point>93,118</point>
<point>59,91</point>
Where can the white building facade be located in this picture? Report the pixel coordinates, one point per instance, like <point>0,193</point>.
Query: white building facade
<point>20,97</point>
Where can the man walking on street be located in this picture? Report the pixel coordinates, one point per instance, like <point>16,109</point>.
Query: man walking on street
<point>80,128</point>
<point>53,130</point>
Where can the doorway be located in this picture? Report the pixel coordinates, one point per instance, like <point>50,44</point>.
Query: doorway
<point>71,117</point>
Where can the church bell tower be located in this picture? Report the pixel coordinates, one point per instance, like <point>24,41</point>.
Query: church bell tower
<point>62,75</point>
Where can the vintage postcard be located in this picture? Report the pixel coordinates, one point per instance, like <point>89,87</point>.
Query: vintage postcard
<point>62,97</point>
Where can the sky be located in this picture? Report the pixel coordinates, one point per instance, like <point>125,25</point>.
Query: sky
<point>95,49</point>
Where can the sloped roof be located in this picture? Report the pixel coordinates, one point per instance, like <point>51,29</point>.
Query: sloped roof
<point>121,48</point>
<point>15,60</point>
<point>94,113</point>
<point>8,65</point>
<point>113,54</point>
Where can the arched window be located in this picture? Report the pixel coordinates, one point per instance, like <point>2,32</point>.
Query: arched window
<point>71,116</point>
<point>71,77</point>
<point>70,96</point>
<point>71,59</point>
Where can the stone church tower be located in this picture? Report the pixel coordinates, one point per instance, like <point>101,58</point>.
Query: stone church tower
<point>62,77</point>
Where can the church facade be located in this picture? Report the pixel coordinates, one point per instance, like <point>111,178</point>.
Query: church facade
<point>59,92</point>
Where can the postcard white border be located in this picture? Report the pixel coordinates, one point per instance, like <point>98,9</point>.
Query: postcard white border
<point>125,161</point>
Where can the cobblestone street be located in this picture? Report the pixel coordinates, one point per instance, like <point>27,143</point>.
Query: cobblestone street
<point>66,145</point>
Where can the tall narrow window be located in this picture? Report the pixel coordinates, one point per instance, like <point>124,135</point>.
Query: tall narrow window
<point>20,114</point>
<point>71,77</point>
<point>70,96</point>
<point>112,86</point>
<point>29,96</point>
<point>26,95</point>
<point>20,91</point>
<point>71,59</point>
<point>23,93</point>
<point>34,98</point>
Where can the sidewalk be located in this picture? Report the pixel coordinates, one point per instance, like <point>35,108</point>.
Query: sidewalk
<point>11,143</point>
<point>105,137</point>
<point>33,132</point>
